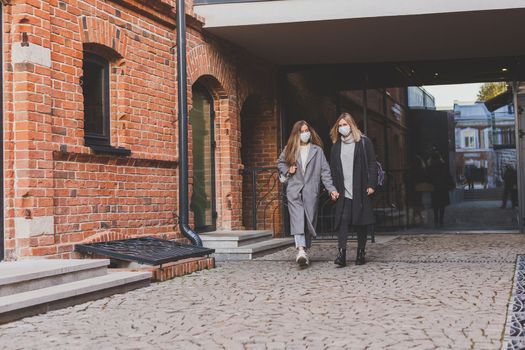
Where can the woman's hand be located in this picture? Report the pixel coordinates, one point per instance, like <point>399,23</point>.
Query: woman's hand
<point>370,191</point>
<point>334,195</point>
<point>292,169</point>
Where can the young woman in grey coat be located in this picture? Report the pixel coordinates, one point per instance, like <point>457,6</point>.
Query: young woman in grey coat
<point>354,170</point>
<point>303,164</point>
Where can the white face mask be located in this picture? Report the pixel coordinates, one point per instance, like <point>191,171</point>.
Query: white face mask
<point>305,137</point>
<point>344,130</point>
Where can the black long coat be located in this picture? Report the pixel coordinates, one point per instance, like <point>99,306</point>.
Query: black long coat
<point>442,181</point>
<point>365,176</point>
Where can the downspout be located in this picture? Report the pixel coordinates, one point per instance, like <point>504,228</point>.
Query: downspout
<point>183,125</point>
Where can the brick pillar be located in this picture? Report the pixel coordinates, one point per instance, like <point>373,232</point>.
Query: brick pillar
<point>260,149</point>
<point>228,164</point>
<point>32,121</point>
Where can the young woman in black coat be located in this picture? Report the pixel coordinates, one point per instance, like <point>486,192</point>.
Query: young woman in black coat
<point>442,181</point>
<point>354,172</point>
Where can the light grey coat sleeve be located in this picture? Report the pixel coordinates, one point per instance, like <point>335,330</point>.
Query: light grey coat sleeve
<point>326,174</point>
<point>281,164</point>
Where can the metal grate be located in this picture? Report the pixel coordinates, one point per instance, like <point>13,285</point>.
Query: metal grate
<point>145,250</point>
<point>514,337</point>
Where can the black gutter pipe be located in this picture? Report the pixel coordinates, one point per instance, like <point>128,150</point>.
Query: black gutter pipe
<point>182,96</point>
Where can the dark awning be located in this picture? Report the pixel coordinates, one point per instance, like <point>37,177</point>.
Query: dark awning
<point>499,101</point>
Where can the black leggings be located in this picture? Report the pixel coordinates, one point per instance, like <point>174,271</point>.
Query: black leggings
<point>346,220</point>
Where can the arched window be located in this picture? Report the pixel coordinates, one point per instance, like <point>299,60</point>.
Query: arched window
<point>95,88</point>
<point>202,120</point>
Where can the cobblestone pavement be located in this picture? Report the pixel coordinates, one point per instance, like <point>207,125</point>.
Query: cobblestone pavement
<point>415,292</point>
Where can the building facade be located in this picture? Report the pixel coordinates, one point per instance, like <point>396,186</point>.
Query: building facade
<point>90,123</point>
<point>485,142</point>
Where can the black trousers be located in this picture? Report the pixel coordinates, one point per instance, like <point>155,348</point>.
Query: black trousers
<point>344,228</point>
<point>439,215</point>
<point>508,191</point>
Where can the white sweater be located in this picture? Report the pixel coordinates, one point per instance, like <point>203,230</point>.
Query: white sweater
<point>347,160</point>
<point>304,150</point>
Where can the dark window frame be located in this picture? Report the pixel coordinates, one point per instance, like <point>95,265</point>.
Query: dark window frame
<point>199,88</point>
<point>96,139</point>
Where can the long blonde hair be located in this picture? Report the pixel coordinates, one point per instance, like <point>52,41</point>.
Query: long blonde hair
<point>294,141</point>
<point>356,133</point>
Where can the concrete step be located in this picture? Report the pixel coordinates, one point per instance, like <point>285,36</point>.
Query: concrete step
<point>26,275</point>
<point>42,300</point>
<point>251,251</point>
<point>483,194</point>
<point>234,239</point>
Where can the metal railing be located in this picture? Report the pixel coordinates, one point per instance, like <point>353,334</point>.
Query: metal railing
<point>265,207</point>
<point>263,199</point>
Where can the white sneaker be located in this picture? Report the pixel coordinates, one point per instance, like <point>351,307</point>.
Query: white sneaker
<point>302,258</point>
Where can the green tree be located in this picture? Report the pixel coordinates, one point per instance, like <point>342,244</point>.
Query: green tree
<point>490,90</point>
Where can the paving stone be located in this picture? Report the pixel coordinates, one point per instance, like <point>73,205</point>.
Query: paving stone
<point>415,292</point>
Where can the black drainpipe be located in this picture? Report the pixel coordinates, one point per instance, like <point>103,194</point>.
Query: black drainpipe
<point>183,126</point>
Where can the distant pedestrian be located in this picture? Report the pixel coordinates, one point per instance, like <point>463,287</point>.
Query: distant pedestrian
<point>510,186</point>
<point>354,169</point>
<point>442,182</point>
<point>302,165</point>
<point>418,184</point>
<point>469,177</point>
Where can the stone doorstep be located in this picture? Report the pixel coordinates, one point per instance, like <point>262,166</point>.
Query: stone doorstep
<point>170,270</point>
<point>258,246</point>
<point>249,252</point>
<point>34,269</point>
<point>27,275</point>
<point>41,300</point>
<point>233,239</point>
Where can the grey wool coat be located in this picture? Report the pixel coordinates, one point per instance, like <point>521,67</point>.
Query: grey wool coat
<point>365,175</point>
<point>302,191</point>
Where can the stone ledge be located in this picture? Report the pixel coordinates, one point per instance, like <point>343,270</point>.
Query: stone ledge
<point>66,156</point>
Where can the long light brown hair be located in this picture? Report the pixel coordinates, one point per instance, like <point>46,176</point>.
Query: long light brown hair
<point>356,133</point>
<point>294,141</point>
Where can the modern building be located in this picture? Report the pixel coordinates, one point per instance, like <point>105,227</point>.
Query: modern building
<point>419,98</point>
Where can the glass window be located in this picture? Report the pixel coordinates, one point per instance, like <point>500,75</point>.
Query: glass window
<point>95,88</point>
<point>470,138</point>
<point>203,153</point>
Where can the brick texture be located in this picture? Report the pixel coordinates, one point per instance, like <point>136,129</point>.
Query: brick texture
<point>51,175</point>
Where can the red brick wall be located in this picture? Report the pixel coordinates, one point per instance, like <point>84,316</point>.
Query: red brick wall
<point>258,150</point>
<point>58,192</point>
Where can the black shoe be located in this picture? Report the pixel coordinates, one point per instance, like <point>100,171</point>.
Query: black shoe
<point>341,258</point>
<point>360,259</point>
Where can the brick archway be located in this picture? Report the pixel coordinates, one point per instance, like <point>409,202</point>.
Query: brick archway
<point>227,157</point>
<point>94,30</point>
